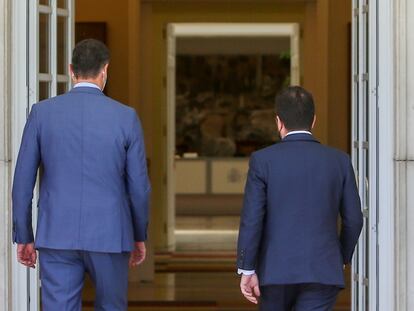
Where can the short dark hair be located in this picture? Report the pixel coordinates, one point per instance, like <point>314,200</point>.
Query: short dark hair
<point>89,57</point>
<point>295,108</point>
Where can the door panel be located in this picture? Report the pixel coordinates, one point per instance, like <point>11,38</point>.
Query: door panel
<point>50,42</point>
<point>364,154</point>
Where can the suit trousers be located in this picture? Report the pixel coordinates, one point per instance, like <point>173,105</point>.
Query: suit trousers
<point>298,297</point>
<point>62,274</point>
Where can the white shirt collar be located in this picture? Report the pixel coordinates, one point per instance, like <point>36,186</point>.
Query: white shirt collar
<point>86,84</point>
<point>298,132</point>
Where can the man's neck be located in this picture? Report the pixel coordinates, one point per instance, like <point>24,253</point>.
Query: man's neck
<point>97,82</point>
<point>296,132</point>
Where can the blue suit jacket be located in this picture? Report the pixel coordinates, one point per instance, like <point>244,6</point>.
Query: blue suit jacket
<point>94,189</point>
<point>294,193</point>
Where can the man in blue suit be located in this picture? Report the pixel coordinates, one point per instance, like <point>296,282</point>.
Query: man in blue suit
<point>289,250</point>
<point>94,192</point>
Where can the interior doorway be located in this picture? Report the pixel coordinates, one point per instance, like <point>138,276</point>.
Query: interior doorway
<point>311,37</point>
<point>221,83</point>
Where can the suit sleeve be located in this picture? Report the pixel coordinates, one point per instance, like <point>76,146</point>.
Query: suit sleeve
<point>351,215</point>
<point>251,223</point>
<point>24,181</point>
<point>137,181</point>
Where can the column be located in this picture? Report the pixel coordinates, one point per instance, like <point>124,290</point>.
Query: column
<point>404,157</point>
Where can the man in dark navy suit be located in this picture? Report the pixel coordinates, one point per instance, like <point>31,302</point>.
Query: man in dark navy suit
<point>289,250</point>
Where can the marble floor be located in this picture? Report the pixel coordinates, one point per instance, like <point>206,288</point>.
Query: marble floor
<point>191,281</point>
<point>192,292</point>
<point>206,233</point>
<point>200,275</point>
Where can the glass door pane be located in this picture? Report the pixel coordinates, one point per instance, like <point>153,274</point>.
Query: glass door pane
<point>44,90</point>
<point>44,43</point>
<point>62,88</point>
<point>62,4</point>
<point>62,45</point>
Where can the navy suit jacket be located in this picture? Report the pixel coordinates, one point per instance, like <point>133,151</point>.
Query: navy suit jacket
<point>295,191</point>
<point>94,189</point>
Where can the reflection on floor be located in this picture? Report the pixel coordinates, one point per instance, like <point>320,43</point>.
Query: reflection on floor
<point>193,282</point>
<point>206,233</point>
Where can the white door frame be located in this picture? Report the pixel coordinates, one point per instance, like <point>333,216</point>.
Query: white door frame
<point>5,83</point>
<point>240,30</point>
<point>19,109</point>
<point>25,92</point>
<point>364,151</point>
<point>386,140</point>
<point>381,227</point>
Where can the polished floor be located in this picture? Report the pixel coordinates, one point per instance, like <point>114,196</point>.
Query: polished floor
<point>206,233</point>
<point>193,282</point>
<point>200,275</point>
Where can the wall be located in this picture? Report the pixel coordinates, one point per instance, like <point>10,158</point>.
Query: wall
<point>324,64</point>
<point>122,22</point>
<point>339,74</point>
<point>116,16</point>
<point>403,157</point>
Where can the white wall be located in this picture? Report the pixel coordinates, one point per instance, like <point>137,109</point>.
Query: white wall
<point>409,154</point>
<point>404,153</point>
<point>4,156</point>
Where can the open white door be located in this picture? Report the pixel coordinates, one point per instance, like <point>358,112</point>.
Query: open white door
<point>43,41</point>
<point>364,151</point>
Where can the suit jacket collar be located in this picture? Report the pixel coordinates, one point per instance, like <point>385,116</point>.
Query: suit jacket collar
<point>86,89</point>
<point>299,137</point>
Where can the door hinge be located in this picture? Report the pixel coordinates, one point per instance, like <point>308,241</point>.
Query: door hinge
<point>356,12</point>
<point>365,282</point>
<point>365,213</point>
<point>374,91</point>
<point>355,277</point>
<point>364,77</point>
<point>365,9</point>
<point>356,78</point>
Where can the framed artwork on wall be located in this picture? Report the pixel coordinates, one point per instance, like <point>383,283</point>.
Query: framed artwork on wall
<point>87,30</point>
<point>91,30</point>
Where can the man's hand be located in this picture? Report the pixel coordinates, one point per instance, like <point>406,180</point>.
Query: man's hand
<point>26,255</point>
<point>138,254</point>
<point>249,285</point>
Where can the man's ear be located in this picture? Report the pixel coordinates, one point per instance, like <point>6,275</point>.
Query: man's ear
<point>105,69</point>
<point>279,124</point>
<point>72,74</point>
<point>314,122</point>
<point>277,120</point>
